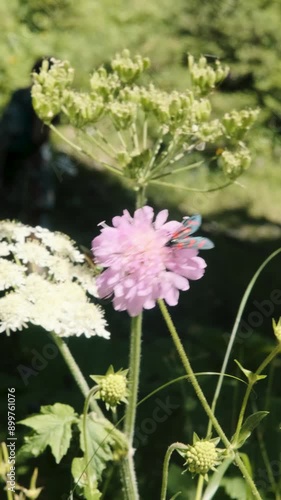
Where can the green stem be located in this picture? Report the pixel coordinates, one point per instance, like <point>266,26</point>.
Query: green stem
<point>199,489</point>
<point>135,138</point>
<point>173,146</point>
<point>242,411</point>
<point>265,457</point>
<point>170,450</point>
<point>193,190</point>
<point>75,371</point>
<point>104,139</point>
<point>190,372</point>
<point>180,169</point>
<point>84,427</point>
<point>122,140</point>
<point>269,358</point>
<point>70,143</point>
<point>144,134</point>
<point>155,150</point>
<point>234,331</point>
<point>260,369</point>
<point>134,370</point>
<point>103,148</point>
<point>81,150</point>
<point>247,476</point>
<point>128,470</point>
<point>141,196</point>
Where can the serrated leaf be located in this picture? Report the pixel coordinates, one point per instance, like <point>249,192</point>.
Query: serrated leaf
<point>53,428</point>
<point>236,488</point>
<point>100,442</point>
<point>249,425</point>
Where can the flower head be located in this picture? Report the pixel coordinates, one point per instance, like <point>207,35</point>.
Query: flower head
<point>112,386</point>
<point>141,267</point>
<point>202,456</point>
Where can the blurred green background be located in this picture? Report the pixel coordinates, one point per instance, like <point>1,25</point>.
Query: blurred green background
<point>244,220</point>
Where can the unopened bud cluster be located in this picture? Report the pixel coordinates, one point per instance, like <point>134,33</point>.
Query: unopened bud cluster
<point>202,456</point>
<point>205,77</point>
<point>129,68</point>
<point>112,387</point>
<point>235,163</point>
<point>49,87</point>
<point>144,130</point>
<point>236,123</point>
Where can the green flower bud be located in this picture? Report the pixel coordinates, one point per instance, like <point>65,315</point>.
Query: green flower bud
<point>209,131</point>
<point>112,387</point>
<point>204,77</point>
<point>236,123</point>
<point>129,68</point>
<point>47,105</point>
<point>201,110</point>
<point>131,94</point>
<point>234,163</point>
<point>277,329</point>
<point>81,108</point>
<point>123,114</point>
<point>202,456</point>
<point>49,86</point>
<point>104,84</point>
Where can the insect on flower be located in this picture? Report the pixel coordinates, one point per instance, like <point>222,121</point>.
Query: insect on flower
<point>182,239</point>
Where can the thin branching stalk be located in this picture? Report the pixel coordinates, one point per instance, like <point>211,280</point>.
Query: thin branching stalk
<point>144,134</point>
<point>165,473</point>
<point>202,399</point>
<point>234,330</point>
<point>192,190</point>
<point>177,170</point>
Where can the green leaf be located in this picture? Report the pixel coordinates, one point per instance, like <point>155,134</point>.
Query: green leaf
<point>251,376</point>
<point>236,488</point>
<point>249,425</point>
<point>178,481</point>
<point>53,428</point>
<point>80,479</point>
<point>100,442</point>
<point>216,479</point>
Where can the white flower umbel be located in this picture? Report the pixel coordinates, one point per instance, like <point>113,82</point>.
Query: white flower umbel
<point>5,248</point>
<point>11,274</point>
<point>46,283</point>
<point>12,231</point>
<point>59,243</point>
<point>14,313</point>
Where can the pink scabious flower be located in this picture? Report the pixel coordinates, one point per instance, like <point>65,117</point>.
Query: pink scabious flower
<point>140,267</point>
